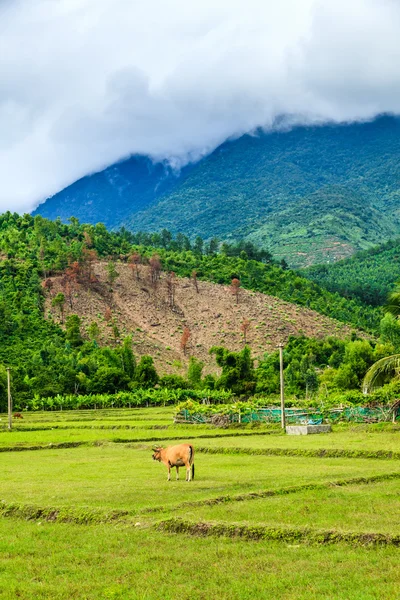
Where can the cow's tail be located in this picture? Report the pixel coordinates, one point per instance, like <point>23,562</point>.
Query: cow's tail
<point>191,459</point>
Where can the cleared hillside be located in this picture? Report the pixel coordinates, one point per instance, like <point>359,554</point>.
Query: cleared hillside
<point>212,316</point>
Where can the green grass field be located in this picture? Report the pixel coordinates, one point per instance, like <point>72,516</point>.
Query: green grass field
<point>95,521</point>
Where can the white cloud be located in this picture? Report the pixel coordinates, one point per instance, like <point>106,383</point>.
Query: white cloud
<point>84,83</point>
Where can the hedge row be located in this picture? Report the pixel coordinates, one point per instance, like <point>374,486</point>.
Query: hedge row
<point>133,399</point>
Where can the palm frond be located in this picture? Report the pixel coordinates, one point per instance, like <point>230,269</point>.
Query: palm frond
<point>381,372</point>
<point>393,304</point>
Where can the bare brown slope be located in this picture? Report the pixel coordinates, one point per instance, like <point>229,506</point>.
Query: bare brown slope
<point>212,316</point>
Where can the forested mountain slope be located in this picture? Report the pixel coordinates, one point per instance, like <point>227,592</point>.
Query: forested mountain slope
<point>367,276</point>
<point>310,194</point>
<point>113,195</point>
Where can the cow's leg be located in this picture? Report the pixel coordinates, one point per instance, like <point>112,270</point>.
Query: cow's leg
<point>177,473</point>
<point>169,473</point>
<point>188,473</point>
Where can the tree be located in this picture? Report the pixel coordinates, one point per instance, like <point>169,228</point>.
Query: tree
<point>146,374</point>
<point>109,380</point>
<point>47,285</point>
<point>74,273</point>
<point>390,331</point>
<point>166,238</point>
<point>115,331</point>
<point>171,286</point>
<point>195,370</point>
<point>59,302</point>
<point>393,303</point>
<point>268,374</point>
<point>87,239</point>
<point>73,329</point>
<point>283,264</point>
<point>238,372</point>
<point>88,258</point>
<point>198,245</point>
<point>42,255</point>
<point>173,382</point>
<point>212,246</point>
<point>184,339</point>
<point>94,331</point>
<point>112,273</point>
<point>235,285</point>
<point>127,357</point>
<point>3,389</point>
<point>386,369</point>
<point>358,357</point>
<point>134,263</point>
<point>67,287</point>
<point>155,268</point>
<point>194,279</point>
<point>245,326</point>
<point>182,243</point>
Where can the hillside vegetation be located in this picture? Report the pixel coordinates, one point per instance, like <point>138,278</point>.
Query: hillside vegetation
<point>86,311</point>
<point>367,276</point>
<point>309,195</point>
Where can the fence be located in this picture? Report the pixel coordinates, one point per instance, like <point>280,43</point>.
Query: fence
<point>354,414</point>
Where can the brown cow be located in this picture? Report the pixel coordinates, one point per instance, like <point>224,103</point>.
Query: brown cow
<point>176,456</point>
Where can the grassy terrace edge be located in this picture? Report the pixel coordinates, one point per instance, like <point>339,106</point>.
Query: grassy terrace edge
<point>181,526</point>
<point>288,535</point>
<point>87,516</point>
<point>305,453</point>
<point>277,492</point>
<point>58,445</point>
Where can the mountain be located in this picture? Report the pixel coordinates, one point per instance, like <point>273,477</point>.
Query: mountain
<point>311,194</point>
<point>367,276</point>
<point>113,195</point>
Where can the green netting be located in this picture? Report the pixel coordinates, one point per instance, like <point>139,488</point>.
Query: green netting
<point>355,414</point>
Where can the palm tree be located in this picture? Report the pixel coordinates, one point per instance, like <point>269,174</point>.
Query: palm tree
<point>393,303</point>
<point>388,368</point>
<point>381,372</point>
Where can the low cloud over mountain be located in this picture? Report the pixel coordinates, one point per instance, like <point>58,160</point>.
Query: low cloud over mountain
<point>84,83</point>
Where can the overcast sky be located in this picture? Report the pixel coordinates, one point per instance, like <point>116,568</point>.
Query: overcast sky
<point>84,83</point>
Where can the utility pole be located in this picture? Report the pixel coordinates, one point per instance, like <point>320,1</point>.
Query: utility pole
<point>283,418</point>
<point>9,400</point>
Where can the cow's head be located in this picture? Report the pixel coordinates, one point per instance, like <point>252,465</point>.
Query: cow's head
<point>157,453</point>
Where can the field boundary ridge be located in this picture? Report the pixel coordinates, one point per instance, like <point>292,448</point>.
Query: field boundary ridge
<point>295,489</point>
<point>307,453</point>
<point>288,535</point>
<point>101,442</point>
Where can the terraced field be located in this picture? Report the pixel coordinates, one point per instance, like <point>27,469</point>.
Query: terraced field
<point>87,514</point>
